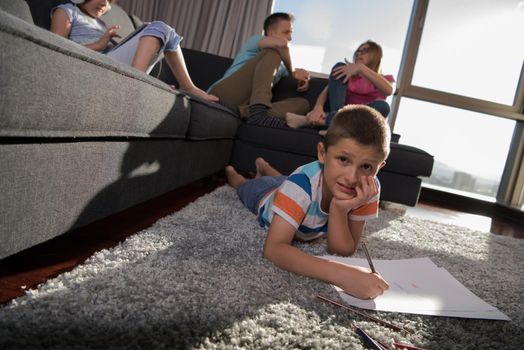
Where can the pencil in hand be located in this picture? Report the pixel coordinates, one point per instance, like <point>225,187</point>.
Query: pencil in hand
<point>370,262</point>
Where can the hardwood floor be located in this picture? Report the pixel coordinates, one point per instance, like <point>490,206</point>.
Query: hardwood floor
<point>36,265</point>
<point>429,211</point>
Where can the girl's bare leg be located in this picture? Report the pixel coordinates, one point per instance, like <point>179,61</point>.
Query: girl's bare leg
<point>176,62</point>
<point>148,47</point>
<point>234,179</point>
<point>265,169</point>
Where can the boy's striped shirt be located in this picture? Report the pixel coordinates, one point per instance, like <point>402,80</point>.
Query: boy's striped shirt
<point>298,201</point>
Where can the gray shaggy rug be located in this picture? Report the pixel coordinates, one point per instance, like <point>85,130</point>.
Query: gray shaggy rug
<point>196,279</point>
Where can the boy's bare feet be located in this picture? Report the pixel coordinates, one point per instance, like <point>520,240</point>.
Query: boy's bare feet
<point>296,120</point>
<point>259,165</point>
<point>234,179</point>
<point>264,168</point>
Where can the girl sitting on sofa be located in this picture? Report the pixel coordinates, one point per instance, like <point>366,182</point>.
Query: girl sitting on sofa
<point>352,83</point>
<point>80,21</point>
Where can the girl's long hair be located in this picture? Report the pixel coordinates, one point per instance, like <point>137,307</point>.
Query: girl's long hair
<point>376,49</point>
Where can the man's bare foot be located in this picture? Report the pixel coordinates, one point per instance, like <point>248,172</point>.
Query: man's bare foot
<point>264,168</point>
<point>296,120</point>
<point>322,132</point>
<point>234,179</point>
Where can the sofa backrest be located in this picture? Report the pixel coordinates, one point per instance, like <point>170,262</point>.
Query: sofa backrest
<point>204,68</point>
<point>41,11</point>
<point>118,16</point>
<point>19,8</point>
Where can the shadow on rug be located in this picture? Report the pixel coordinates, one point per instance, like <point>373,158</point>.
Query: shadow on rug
<point>197,279</point>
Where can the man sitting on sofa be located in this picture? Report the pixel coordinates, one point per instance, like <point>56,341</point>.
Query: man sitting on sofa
<point>261,63</point>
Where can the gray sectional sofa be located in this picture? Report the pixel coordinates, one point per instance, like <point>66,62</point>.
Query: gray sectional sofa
<point>83,137</point>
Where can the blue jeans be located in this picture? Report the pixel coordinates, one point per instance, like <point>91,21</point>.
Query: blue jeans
<point>337,98</point>
<point>252,191</point>
<point>169,39</point>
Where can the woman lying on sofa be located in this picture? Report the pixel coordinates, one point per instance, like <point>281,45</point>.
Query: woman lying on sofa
<point>80,21</point>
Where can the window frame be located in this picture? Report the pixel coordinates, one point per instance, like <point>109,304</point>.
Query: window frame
<point>511,188</point>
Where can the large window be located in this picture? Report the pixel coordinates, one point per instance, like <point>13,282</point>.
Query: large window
<point>470,148</point>
<point>472,48</point>
<point>460,86</point>
<point>326,32</point>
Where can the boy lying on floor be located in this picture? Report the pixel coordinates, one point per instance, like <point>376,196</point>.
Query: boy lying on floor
<point>342,184</point>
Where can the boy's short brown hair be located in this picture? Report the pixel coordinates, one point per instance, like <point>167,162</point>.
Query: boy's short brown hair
<point>362,124</point>
<point>276,17</point>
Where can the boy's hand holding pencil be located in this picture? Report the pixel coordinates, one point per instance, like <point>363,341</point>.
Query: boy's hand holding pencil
<point>358,282</point>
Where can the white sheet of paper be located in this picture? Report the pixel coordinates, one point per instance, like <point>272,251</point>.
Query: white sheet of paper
<point>418,286</point>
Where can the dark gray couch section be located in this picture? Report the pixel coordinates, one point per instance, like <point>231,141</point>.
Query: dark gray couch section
<point>83,136</point>
<point>287,149</point>
<point>399,188</point>
<point>395,187</point>
<point>403,159</point>
<point>61,186</point>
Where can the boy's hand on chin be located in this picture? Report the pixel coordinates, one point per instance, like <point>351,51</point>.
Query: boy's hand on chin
<point>366,190</point>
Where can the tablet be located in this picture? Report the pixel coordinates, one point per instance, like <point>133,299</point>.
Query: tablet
<point>130,36</point>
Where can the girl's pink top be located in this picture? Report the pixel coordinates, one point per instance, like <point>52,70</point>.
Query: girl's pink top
<point>362,91</point>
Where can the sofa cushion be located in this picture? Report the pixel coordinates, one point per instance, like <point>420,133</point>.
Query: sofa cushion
<point>299,141</point>
<point>403,159</point>
<point>409,160</point>
<point>395,187</point>
<point>209,120</point>
<point>399,188</point>
<point>79,92</point>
